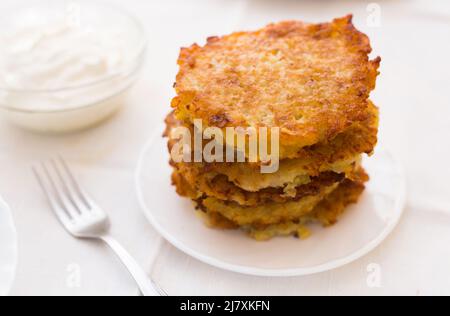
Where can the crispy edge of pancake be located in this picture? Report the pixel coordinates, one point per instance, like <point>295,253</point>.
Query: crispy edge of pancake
<point>338,156</point>
<point>268,213</point>
<point>220,84</point>
<point>218,186</point>
<point>326,212</point>
<point>291,174</point>
<point>360,137</point>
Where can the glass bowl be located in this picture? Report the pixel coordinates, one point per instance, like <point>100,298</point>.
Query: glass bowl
<point>66,107</point>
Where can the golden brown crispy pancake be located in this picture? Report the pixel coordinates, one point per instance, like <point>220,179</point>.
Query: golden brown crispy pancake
<point>310,80</point>
<point>268,213</point>
<point>219,187</point>
<point>339,155</point>
<point>326,212</point>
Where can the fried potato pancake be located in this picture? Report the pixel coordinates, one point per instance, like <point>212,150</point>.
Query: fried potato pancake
<point>310,80</point>
<point>265,214</point>
<point>340,155</point>
<point>218,186</point>
<point>326,212</point>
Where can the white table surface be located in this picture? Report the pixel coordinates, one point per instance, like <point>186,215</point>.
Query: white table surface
<point>413,40</point>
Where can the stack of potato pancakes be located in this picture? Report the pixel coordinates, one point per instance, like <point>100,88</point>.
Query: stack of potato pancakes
<point>312,81</point>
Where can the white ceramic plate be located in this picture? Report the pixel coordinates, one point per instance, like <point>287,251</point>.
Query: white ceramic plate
<point>362,228</point>
<point>8,249</point>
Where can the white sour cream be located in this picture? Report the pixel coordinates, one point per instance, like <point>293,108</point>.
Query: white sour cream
<point>59,55</point>
<point>51,65</point>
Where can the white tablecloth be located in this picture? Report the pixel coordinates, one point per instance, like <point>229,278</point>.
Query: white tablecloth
<point>413,40</point>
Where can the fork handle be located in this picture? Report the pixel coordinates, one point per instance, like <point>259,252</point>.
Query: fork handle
<point>139,275</point>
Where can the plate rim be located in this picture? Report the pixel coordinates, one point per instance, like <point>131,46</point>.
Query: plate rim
<point>10,223</point>
<point>334,264</point>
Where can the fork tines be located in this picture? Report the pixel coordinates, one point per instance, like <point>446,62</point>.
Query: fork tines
<point>66,197</point>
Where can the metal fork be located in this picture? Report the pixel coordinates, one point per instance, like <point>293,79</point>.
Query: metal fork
<point>83,218</point>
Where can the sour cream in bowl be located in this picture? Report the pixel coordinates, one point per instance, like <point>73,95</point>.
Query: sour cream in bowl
<point>65,66</point>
